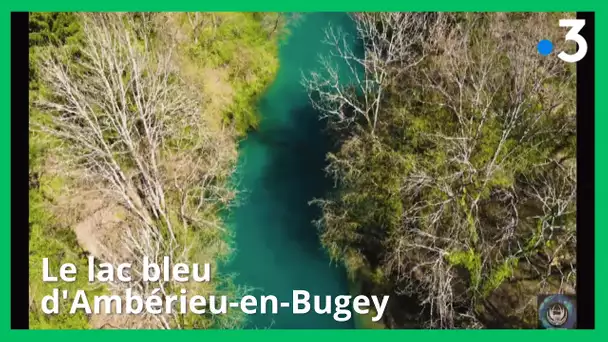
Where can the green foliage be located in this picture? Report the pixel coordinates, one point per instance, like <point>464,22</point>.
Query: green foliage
<point>59,249</point>
<point>238,43</point>
<point>497,276</point>
<point>51,29</point>
<point>367,204</point>
<point>49,237</point>
<point>471,261</point>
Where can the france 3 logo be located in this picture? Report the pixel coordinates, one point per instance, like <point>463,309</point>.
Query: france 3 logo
<point>545,46</point>
<point>557,311</point>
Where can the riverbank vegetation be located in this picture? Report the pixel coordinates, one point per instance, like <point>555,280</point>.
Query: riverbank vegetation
<point>454,166</point>
<point>134,124</point>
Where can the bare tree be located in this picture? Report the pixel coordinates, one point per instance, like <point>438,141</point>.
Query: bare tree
<point>350,87</point>
<point>134,130</point>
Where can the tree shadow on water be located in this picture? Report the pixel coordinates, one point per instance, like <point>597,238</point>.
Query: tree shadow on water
<point>291,177</point>
<point>294,175</point>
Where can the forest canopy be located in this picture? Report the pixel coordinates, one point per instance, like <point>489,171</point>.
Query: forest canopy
<point>455,168</point>
<point>134,123</point>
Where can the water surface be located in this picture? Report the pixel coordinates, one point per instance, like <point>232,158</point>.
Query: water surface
<point>280,170</point>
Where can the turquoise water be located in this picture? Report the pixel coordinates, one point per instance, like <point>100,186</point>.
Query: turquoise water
<point>280,170</point>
